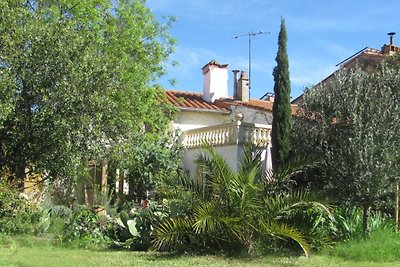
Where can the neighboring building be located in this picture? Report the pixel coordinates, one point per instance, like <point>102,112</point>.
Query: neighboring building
<point>224,122</point>
<point>367,59</point>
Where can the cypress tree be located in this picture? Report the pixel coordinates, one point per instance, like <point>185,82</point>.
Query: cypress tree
<point>281,109</point>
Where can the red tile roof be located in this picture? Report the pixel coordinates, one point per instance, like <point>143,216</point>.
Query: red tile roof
<point>191,100</point>
<point>252,103</point>
<point>187,100</point>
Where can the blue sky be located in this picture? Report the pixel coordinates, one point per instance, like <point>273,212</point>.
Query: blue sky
<point>321,33</point>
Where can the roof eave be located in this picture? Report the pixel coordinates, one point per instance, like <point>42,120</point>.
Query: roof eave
<point>205,110</point>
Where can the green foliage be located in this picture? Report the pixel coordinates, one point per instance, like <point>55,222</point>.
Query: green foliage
<point>147,162</point>
<point>135,230</point>
<point>351,124</point>
<point>381,246</point>
<point>348,224</point>
<point>280,135</point>
<point>85,229</point>
<point>17,214</point>
<point>236,211</point>
<point>74,82</point>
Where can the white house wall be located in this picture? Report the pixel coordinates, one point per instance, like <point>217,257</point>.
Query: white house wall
<point>188,120</point>
<point>252,115</point>
<point>231,154</point>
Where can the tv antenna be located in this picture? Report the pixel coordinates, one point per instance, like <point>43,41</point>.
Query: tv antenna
<point>250,35</point>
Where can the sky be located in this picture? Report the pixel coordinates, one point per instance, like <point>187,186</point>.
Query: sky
<point>321,33</point>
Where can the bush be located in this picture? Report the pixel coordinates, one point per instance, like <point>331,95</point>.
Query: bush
<point>17,214</point>
<point>86,229</point>
<point>53,219</point>
<point>347,223</point>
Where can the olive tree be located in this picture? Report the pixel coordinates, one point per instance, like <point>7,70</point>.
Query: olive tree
<point>353,125</point>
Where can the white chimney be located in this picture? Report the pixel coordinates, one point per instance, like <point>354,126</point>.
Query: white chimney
<point>215,81</point>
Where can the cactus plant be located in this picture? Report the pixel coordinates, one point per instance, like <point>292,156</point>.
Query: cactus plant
<point>129,226</point>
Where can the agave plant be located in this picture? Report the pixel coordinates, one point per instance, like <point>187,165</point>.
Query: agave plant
<point>229,210</point>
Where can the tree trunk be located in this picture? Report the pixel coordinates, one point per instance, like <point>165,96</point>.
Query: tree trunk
<point>20,175</point>
<point>112,180</point>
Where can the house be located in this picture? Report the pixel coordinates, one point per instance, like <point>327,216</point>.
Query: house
<point>224,122</point>
<point>367,59</point>
<point>211,117</point>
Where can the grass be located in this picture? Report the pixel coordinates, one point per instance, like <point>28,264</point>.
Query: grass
<point>34,251</point>
<point>382,246</point>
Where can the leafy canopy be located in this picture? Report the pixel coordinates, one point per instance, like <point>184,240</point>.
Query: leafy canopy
<point>74,81</point>
<point>352,124</point>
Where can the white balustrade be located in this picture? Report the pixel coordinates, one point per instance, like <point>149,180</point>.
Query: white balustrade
<point>227,134</point>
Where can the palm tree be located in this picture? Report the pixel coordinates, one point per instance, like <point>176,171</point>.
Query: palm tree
<point>231,210</point>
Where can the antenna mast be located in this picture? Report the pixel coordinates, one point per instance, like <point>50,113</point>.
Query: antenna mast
<point>250,35</point>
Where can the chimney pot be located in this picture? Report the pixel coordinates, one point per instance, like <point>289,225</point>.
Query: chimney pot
<point>391,35</point>
<point>235,84</point>
<point>243,87</point>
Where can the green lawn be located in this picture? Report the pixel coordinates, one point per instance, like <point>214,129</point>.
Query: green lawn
<point>36,252</point>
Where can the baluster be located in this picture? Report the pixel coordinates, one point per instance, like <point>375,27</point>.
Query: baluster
<point>190,138</point>
<point>262,137</point>
<point>221,136</point>
<point>187,140</point>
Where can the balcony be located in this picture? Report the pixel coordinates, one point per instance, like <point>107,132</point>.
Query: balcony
<point>233,133</point>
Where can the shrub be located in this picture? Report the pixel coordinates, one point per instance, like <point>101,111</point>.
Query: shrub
<point>54,218</point>
<point>347,223</point>
<point>240,211</point>
<point>85,229</point>
<point>17,214</point>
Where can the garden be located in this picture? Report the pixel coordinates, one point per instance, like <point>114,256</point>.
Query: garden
<point>74,87</point>
<point>232,219</point>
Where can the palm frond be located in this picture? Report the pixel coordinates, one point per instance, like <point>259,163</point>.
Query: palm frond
<point>171,232</point>
<point>284,204</point>
<point>283,231</point>
<point>251,158</point>
<point>216,173</point>
<point>239,207</point>
<point>171,183</point>
<point>247,192</point>
<point>208,218</point>
<point>284,179</point>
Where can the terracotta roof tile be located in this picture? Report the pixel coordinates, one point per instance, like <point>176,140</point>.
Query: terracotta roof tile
<point>191,100</point>
<point>195,101</point>
<point>252,103</point>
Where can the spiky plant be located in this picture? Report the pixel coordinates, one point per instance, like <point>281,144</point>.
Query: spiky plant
<point>230,210</point>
